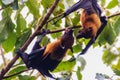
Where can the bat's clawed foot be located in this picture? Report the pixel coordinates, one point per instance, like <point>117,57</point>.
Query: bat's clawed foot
<point>45,31</point>
<point>104,19</point>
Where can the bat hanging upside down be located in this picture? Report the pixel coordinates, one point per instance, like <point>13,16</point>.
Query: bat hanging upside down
<point>90,17</point>
<point>90,22</point>
<point>47,58</point>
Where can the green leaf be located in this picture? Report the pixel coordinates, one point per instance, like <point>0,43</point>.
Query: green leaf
<point>56,35</point>
<point>76,19</point>
<point>117,26</point>
<point>3,30</point>
<point>33,6</point>
<point>0,2</point>
<point>112,4</point>
<point>17,69</point>
<point>47,3</point>
<point>3,35</point>
<point>6,27</point>
<point>7,12</point>
<point>108,57</point>
<point>45,41</point>
<point>21,24</point>
<point>108,35</point>
<point>59,9</point>
<point>117,66</point>
<point>22,38</point>
<point>117,72</point>
<point>65,66</point>
<point>68,22</point>
<point>26,77</point>
<point>79,75</point>
<point>9,43</point>
<point>103,2</point>
<point>76,48</point>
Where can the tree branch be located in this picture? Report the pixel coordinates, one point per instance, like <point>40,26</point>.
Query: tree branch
<point>113,15</point>
<point>59,30</point>
<point>23,48</point>
<point>55,31</point>
<point>16,73</point>
<point>55,17</point>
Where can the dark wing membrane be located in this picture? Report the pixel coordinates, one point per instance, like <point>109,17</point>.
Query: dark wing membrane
<point>34,58</point>
<point>96,7</point>
<point>38,53</point>
<point>85,4</point>
<point>47,64</point>
<point>24,56</point>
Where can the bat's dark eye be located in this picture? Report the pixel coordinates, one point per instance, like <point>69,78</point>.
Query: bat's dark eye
<point>90,29</point>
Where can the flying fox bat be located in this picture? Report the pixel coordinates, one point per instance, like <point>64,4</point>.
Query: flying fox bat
<point>47,58</point>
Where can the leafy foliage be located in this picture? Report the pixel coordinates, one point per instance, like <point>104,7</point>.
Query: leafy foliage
<point>79,75</point>
<point>65,65</point>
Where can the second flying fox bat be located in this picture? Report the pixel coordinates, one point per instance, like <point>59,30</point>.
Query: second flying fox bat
<point>47,58</point>
<point>90,17</point>
<point>90,22</point>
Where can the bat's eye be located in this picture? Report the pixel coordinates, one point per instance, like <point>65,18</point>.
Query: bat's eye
<point>90,29</point>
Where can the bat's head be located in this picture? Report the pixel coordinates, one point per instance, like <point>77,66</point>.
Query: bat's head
<point>67,39</point>
<point>89,32</point>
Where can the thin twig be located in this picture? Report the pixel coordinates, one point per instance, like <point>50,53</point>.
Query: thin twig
<point>2,54</point>
<point>23,48</point>
<point>16,73</point>
<point>59,30</point>
<point>55,31</point>
<point>55,17</point>
<point>31,72</point>
<point>113,15</point>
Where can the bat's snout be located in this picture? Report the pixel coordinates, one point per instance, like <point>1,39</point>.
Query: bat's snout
<point>68,30</point>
